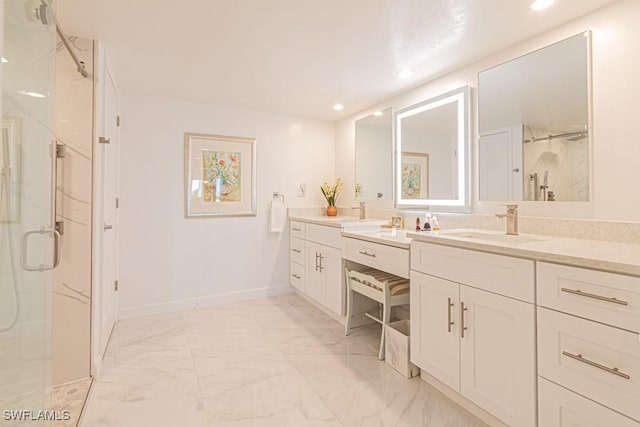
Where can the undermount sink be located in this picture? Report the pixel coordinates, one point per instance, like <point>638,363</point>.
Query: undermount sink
<point>502,238</point>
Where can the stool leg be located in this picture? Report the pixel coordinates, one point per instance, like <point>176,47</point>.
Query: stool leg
<point>386,317</point>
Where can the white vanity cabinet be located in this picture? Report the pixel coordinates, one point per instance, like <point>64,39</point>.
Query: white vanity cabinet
<point>297,261</point>
<point>476,341</point>
<point>588,347</point>
<point>315,264</point>
<point>324,277</point>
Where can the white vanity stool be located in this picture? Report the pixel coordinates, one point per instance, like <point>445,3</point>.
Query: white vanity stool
<point>385,288</point>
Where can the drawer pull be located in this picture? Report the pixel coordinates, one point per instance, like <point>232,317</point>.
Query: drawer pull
<point>296,229</point>
<point>462,327</point>
<point>295,276</point>
<point>594,296</point>
<point>367,254</point>
<point>296,250</point>
<point>450,323</point>
<point>613,371</point>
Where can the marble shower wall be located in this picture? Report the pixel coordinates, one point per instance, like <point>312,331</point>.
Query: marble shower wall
<point>72,279</point>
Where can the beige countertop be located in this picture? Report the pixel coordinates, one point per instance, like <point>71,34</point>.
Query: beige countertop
<point>340,221</point>
<point>385,236</point>
<point>595,254</point>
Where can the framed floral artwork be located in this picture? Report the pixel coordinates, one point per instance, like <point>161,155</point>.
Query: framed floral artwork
<point>220,175</point>
<point>415,175</point>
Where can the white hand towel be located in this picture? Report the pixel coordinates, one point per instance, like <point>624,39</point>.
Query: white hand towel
<point>278,217</point>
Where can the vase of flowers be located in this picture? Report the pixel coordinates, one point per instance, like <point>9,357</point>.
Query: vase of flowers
<point>331,194</point>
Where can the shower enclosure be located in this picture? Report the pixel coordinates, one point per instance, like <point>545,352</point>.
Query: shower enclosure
<point>28,240</point>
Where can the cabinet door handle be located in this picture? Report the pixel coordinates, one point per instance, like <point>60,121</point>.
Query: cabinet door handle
<point>296,250</point>
<point>296,229</point>
<point>296,276</point>
<point>580,358</point>
<point>317,258</point>
<point>321,267</point>
<point>594,296</point>
<point>450,323</point>
<point>462,327</point>
<point>367,254</point>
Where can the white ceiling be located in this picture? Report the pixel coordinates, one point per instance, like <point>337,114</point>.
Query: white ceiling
<point>301,56</point>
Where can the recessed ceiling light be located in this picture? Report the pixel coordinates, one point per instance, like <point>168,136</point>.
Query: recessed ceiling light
<point>4,60</point>
<point>403,74</point>
<point>338,107</point>
<point>31,94</point>
<point>378,113</point>
<point>541,4</point>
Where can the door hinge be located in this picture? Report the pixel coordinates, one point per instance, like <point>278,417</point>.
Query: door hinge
<point>118,121</point>
<point>117,202</point>
<point>104,140</point>
<point>60,150</point>
<point>116,285</point>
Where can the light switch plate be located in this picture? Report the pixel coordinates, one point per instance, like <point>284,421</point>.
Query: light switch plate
<point>302,190</point>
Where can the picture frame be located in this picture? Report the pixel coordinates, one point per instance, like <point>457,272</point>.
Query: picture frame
<point>220,175</point>
<point>414,175</point>
<point>10,168</point>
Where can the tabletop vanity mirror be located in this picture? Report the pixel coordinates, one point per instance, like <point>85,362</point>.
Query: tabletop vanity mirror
<point>534,125</point>
<point>432,153</point>
<point>374,164</point>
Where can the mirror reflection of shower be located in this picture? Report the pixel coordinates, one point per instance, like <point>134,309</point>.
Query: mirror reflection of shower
<point>5,226</point>
<point>556,164</point>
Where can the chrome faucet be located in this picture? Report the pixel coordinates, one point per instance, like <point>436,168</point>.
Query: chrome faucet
<point>363,213</point>
<point>512,219</point>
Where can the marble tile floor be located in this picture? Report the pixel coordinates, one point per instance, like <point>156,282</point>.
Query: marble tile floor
<point>70,397</point>
<point>269,362</point>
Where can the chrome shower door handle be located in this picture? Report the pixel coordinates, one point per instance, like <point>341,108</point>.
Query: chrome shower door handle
<point>57,249</point>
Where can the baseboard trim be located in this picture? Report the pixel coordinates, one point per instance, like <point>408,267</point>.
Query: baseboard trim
<point>471,407</point>
<point>191,303</point>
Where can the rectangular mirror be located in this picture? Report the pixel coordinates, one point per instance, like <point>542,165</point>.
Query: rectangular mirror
<point>374,164</point>
<point>533,122</point>
<point>432,153</point>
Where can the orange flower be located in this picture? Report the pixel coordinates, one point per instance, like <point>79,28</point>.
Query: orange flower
<point>221,163</point>
<point>233,158</point>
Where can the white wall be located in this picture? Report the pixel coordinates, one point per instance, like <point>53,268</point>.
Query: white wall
<point>616,65</point>
<point>169,262</point>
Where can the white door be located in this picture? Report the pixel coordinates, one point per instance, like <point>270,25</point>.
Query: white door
<point>500,168</point>
<point>497,355</point>
<point>435,333</point>
<point>109,181</point>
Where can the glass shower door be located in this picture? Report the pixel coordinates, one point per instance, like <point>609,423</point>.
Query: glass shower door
<point>27,238</point>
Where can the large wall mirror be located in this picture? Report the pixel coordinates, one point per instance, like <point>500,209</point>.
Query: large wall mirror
<point>374,164</point>
<point>432,153</point>
<point>533,123</point>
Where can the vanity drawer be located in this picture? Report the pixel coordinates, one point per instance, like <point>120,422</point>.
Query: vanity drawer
<point>597,361</point>
<point>559,407</point>
<point>604,297</point>
<point>325,235</point>
<point>297,250</point>
<point>298,229</point>
<point>296,276</point>
<point>504,275</point>
<point>385,258</point>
